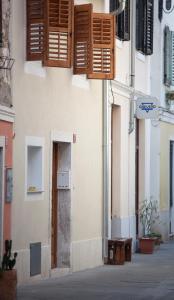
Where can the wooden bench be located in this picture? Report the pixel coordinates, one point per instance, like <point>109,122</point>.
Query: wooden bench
<point>119,251</point>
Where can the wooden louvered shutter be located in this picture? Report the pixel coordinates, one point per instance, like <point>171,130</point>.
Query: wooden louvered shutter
<point>167,56</point>
<point>35,29</point>
<point>58,33</point>
<point>160,10</point>
<point>103,46</point>
<point>83,39</point>
<point>148,42</point>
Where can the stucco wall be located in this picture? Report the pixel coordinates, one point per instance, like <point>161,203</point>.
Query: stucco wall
<point>46,100</point>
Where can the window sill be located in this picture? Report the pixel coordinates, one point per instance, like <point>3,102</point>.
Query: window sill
<point>141,56</point>
<point>35,192</point>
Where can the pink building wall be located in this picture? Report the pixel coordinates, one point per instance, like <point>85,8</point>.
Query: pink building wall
<point>6,129</point>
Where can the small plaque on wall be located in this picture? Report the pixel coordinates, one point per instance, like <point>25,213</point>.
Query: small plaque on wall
<point>9,185</point>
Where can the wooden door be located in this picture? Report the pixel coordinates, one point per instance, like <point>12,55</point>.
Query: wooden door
<point>54,219</point>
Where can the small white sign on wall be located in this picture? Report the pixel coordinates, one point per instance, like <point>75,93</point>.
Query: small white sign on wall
<point>147,108</point>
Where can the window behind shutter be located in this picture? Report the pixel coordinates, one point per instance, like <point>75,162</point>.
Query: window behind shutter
<point>172,65</point>
<point>140,24</point>
<point>127,21</point>
<point>58,39</point>
<point>103,46</point>
<point>83,39</point>
<point>0,23</point>
<point>160,10</point>
<point>35,29</point>
<point>122,20</point>
<point>148,43</point>
<point>167,56</point>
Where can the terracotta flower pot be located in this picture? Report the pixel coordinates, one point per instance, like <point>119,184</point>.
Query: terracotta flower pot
<point>146,245</point>
<point>8,285</point>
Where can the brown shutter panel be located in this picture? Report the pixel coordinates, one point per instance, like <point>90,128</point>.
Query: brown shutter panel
<point>58,39</point>
<point>83,39</point>
<point>35,29</point>
<point>103,47</point>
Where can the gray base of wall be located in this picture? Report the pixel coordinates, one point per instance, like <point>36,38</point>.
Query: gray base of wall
<point>84,255</point>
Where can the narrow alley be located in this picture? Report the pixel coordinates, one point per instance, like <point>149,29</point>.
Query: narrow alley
<point>146,277</point>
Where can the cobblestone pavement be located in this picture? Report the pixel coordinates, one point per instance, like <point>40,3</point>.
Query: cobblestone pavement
<point>146,277</point>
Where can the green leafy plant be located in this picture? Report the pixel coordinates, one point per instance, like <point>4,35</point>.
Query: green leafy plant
<point>148,214</point>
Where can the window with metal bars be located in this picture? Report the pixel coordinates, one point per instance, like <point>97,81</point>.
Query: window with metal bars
<point>144,26</point>
<point>122,20</point>
<point>0,23</point>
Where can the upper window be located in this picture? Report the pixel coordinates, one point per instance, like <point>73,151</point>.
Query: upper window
<point>122,20</point>
<point>0,23</point>
<point>144,26</point>
<point>168,4</point>
<point>168,57</point>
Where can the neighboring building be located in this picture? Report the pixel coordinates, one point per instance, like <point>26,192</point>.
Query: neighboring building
<point>162,131</point>
<point>6,126</point>
<point>58,201</point>
<point>129,153</point>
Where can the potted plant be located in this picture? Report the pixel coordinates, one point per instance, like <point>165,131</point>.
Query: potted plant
<point>148,214</point>
<point>8,276</point>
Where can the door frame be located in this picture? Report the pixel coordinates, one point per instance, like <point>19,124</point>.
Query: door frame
<point>2,145</point>
<point>58,137</point>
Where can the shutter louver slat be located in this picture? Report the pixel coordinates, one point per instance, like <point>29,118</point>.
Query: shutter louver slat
<point>35,29</point>
<point>83,39</point>
<point>58,40</point>
<point>103,46</point>
<point>172,64</point>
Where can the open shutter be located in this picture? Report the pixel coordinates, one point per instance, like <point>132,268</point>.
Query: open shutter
<point>103,46</point>
<point>172,57</point>
<point>148,43</point>
<point>83,39</point>
<point>35,29</point>
<point>167,56</point>
<point>58,37</point>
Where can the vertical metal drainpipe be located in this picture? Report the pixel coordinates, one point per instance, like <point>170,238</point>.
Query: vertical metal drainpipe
<point>105,168</point>
<point>132,63</point>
